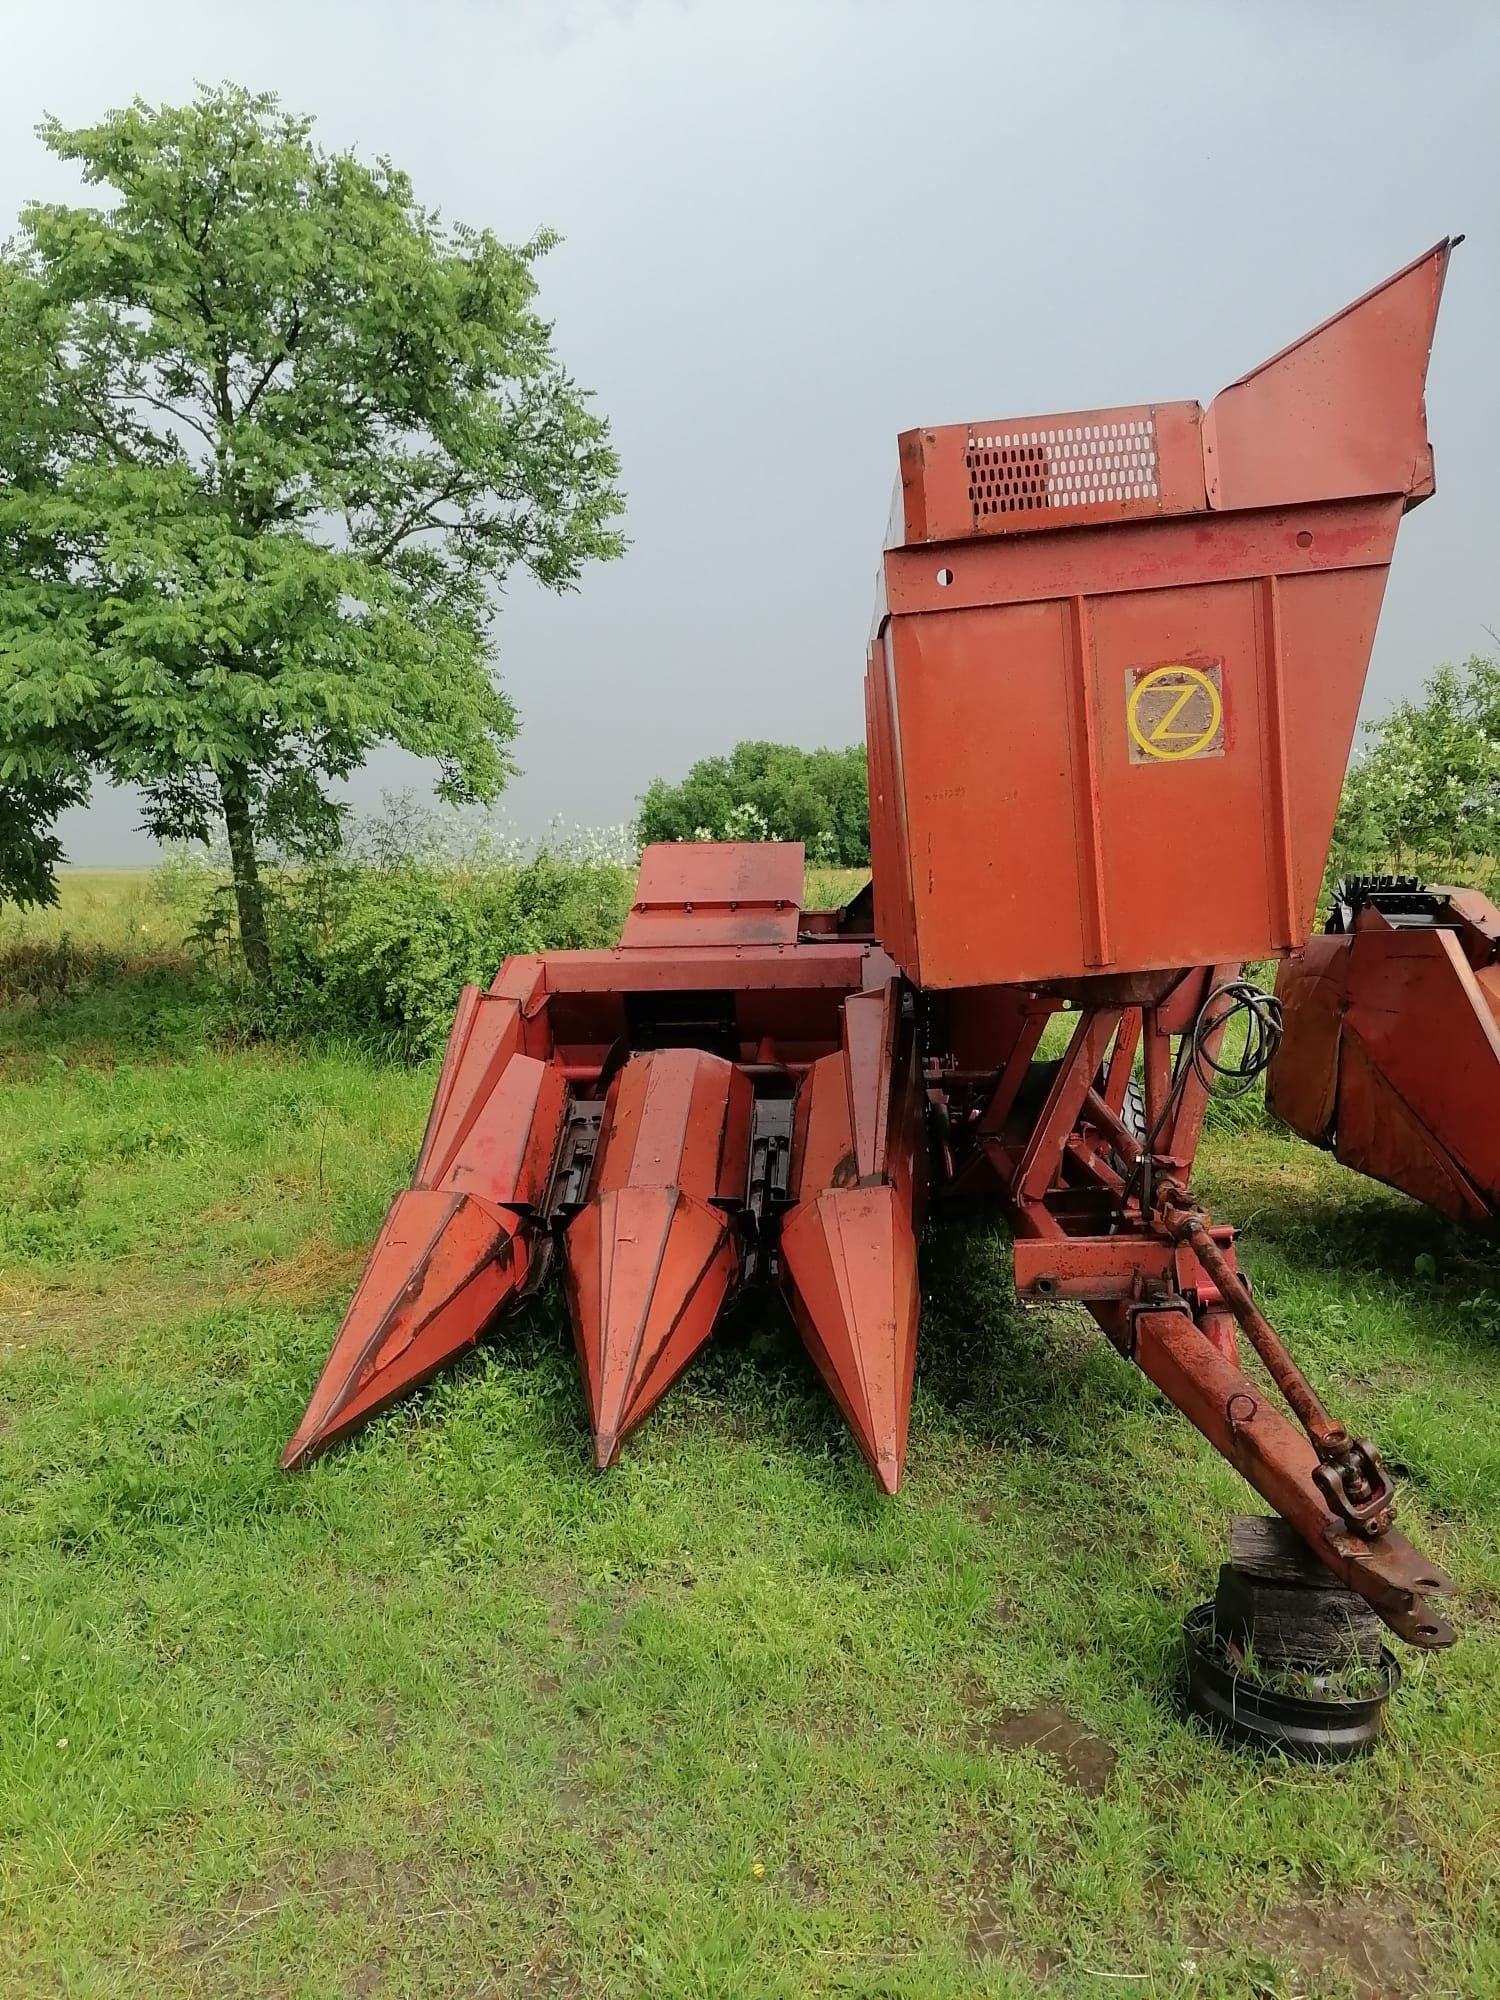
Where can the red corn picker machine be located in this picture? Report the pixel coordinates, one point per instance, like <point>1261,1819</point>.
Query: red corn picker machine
<point>1391,1051</point>
<point>1110,692</point>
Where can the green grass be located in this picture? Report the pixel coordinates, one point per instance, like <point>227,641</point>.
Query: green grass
<point>455,1714</point>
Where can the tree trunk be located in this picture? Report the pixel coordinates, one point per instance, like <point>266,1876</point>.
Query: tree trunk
<point>255,940</point>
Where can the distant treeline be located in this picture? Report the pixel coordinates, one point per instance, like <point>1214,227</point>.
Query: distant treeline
<point>769,791</point>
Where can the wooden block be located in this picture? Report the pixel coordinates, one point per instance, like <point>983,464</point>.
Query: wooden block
<point>1264,1545</point>
<point>1276,1597</point>
<point>1310,1624</point>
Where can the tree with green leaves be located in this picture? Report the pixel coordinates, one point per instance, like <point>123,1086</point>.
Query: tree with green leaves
<point>769,791</point>
<point>1425,794</point>
<point>29,849</point>
<point>42,765</point>
<point>272,438</point>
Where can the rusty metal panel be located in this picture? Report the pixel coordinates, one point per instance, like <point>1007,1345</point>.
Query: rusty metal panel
<point>676,1117</point>
<point>1341,410</point>
<point>506,1152</point>
<point>1137,555</point>
<point>1378,1133</point>
<point>669,968</point>
<point>1016,475</point>
<point>707,892</point>
<point>487,1033</point>
<point>992,808</point>
<point>889,847</point>
<point>1415,1005</point>
<point>1302,1086</point>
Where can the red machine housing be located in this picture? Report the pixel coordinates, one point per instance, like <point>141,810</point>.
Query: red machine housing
<point>1111,688</point>
<point>1039,572</point>
<point>1391,1051</point>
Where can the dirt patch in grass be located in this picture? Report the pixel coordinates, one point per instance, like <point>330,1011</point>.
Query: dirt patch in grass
<point>1375,1942</point>
<point>80,1316</point>
<point>1086,1761</point>
<point>990,1934</point>
<point>235,1914</point>
<point>347,1879</point>
<point>805,1884</point>
<point>546,1978</point>
<point>573,1801</point>
<point>352,1878</point>
<point>1480,1608</point>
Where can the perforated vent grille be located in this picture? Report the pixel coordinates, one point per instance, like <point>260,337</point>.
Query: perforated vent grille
<point>1077,465</point>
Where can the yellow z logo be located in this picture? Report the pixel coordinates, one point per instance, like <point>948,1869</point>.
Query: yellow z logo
<point>1174,712</point>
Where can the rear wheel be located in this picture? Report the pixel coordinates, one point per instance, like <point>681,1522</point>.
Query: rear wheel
<point>1033,1092</point>
<point>1133,1112</point>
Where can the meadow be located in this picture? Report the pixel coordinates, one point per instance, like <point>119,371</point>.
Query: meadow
<point>454,1714</point>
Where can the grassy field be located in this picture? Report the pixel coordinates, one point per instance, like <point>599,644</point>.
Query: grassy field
<point>454,1714</point>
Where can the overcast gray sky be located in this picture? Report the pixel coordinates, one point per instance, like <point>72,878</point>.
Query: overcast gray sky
<point>794,230</point>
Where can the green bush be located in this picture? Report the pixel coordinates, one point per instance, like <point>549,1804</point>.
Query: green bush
<point>387,968</point>
<point>769,791</point>
<point>380,954</point>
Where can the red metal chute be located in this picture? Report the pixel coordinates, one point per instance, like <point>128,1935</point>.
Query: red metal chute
<point>1110,692</point>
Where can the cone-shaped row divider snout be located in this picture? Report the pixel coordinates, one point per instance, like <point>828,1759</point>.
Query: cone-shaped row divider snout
<point>457,1248</point>
<point>650,1260</point>
<point>651,1236</point>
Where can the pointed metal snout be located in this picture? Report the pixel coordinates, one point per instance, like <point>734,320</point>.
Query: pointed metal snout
<point>849,1245</point>
<point>849,1268</point>
<point>649,1261</point>
<point>648,1269</point>
<point>442,1267</point>
<point>456,1248</point>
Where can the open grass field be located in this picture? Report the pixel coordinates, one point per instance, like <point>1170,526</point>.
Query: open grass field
<point>453,1714</point>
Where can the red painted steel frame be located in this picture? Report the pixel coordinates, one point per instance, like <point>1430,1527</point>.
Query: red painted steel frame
<point>1110,694</point>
